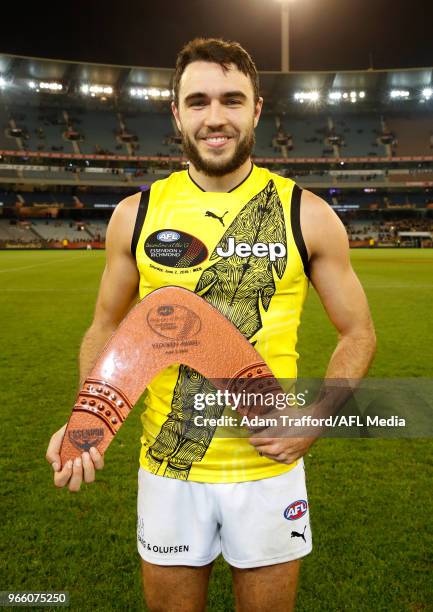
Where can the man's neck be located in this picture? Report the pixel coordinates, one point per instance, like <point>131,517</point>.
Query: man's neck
<point>220,183</point>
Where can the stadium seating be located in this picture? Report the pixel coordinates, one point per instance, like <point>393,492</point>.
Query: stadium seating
<point>53,127</point>
<point>359,133</point>
<point>5,142</point>
<point>16,232</point>
<point>43,129</point>
<point>362,229</point>
<point>99,133</point>
<point>7,198</point>
<point>59,230</point>
<point>38,230</point>
<point>46,231</point>
<point>97,229</point>
<point>265,132</point>
<point>153,131</point>
<point>310,179</point>
<point>413,133</point>
<point>58,190</point>
<point>308,136</point>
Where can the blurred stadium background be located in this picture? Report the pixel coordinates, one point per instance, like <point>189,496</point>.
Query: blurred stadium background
<point>75,138</point>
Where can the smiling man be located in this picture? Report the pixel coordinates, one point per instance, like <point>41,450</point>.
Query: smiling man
<point>248,241</point>
<point>213,148</point>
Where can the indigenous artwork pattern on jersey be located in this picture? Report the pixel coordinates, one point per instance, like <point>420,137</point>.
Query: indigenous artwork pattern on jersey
<point>238,287</point>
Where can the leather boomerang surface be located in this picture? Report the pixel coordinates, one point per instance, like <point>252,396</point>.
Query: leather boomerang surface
<point>170,326</point>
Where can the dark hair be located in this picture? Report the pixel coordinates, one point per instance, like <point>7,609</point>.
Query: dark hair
<point>218,51</point>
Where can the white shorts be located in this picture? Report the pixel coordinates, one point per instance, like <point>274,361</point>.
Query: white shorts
<point>253,524</point>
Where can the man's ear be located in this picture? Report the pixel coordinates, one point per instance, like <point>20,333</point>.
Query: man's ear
<point>175,112</point>
<point>257,111</point>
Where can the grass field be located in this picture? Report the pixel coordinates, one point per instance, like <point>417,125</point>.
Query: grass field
<point>371,500</point>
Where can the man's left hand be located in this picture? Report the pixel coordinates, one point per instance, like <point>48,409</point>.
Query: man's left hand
<point>283,450</point>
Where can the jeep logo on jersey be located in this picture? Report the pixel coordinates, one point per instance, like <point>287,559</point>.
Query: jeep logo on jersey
<point>168,236</point>
<point>258,249</point>
<point>175,249</point>
<point>296,510</point>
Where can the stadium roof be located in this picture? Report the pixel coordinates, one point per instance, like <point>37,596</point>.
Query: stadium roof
<point>273,84</point>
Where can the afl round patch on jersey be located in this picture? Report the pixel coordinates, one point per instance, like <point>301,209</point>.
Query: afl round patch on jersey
<point>174,322</point>
<point>175,249</point>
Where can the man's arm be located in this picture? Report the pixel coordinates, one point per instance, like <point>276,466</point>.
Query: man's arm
<point>339,289</point>
<point>119,284</point>
<point>117,293</point>
<point>345,302</point>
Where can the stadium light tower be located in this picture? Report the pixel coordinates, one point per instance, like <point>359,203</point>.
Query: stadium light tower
<point>285,25</point>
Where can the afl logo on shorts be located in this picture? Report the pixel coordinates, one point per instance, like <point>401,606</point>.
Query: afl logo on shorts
<point>168,236</point>
<point>296,510</point>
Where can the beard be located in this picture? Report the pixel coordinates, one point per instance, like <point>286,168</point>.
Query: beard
<point>215,167</point>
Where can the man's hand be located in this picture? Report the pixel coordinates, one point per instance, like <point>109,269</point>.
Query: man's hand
<point>283,450</point>
<point>117,293</point>
<point>72,473</point>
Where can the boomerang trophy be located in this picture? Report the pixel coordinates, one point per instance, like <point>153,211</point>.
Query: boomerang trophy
<point>170,326</point>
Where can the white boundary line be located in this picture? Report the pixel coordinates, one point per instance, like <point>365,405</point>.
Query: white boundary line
<point>45,263</point>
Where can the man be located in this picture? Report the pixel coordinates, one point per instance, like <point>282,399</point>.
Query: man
<point>248,241</point>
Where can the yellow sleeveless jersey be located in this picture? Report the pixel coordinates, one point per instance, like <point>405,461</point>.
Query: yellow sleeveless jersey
<point>243,252</point>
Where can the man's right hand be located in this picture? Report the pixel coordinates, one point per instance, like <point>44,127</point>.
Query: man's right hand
<point>72,473</point>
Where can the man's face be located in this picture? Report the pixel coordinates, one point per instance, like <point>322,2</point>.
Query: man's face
<point>216,117</point>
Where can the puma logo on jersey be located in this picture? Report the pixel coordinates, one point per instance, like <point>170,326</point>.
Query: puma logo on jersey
<point>260,249</point>
<point>209,213</point>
